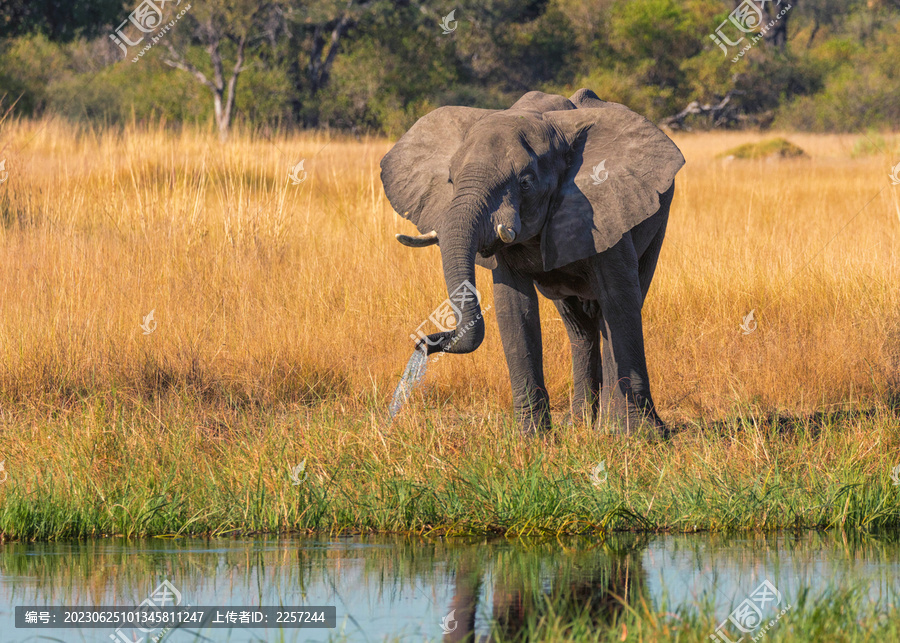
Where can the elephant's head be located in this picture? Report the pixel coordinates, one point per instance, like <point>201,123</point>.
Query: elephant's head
<point>475,180</point>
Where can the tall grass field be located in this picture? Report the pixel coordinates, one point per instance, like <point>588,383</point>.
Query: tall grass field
<point>254,398</point>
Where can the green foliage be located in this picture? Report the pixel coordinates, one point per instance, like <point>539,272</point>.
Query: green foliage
<point>60,20</point>
<point>28,67</point>
<point>265,94</point>
<point>862,89</point>
<point>837,71</point>
<point>390,79</point>
<point>654,36</point>
<point>145,91</point>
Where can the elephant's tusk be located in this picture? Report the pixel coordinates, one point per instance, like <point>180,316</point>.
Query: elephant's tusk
<point>507,235</point>
<point>418,241</point>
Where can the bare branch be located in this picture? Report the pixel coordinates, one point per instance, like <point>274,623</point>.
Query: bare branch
<point>719,114</point>
<point>320,69</point>
<point>178,61</point>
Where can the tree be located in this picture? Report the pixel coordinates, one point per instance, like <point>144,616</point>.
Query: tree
<point>317,29</point>
<point>230,31</point>
<point>827,13</point>
<point>777,35</point>
<point>59,20</point>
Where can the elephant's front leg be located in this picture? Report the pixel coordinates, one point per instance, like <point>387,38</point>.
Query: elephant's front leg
<point>582,326</point>
<point>625,397</point>
<point>520,330</point>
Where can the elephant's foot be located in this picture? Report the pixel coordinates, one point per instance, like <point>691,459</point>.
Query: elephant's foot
<point>533,424</point>
<point>534,420</point>
<point>532,411</point>
<point>624,417</point>
<point>582,414</point>
<point>632,424</point>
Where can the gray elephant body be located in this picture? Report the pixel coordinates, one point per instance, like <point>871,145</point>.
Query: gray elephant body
<point>517,191</point>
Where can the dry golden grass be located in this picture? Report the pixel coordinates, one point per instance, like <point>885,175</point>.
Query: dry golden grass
<point>284,314</point>
<point>273,293</point>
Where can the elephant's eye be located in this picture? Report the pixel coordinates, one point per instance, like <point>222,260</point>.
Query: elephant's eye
<point>525,182</point>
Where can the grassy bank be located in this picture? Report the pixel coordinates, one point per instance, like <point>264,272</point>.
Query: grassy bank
<point>282,317</point>
<point>107,467</point>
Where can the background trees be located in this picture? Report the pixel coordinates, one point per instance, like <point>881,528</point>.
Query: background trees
<point>377,65</point>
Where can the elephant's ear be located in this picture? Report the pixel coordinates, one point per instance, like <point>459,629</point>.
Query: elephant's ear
<point>620,164</point>
<point>416,172</point>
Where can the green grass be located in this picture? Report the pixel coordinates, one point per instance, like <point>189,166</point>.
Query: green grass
<point>119,467</point>
<point>840,616</point>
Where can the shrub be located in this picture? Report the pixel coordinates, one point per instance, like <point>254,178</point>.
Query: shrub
<point>772,147</point>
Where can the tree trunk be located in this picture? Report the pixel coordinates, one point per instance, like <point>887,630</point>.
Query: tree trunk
<point>223,95</point>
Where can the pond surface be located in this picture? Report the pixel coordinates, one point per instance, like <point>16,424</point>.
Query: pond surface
<point>405,589</point>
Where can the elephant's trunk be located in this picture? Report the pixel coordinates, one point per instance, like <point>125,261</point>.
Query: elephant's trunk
<point>460,239</point>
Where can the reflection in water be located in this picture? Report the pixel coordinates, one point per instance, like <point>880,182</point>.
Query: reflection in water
<point>406,589</point>
<point>592,579</point>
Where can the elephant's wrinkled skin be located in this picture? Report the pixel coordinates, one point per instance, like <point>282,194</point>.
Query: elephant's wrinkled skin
<point>568,197</point>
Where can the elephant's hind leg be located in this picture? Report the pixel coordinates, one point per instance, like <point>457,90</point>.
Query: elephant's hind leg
<point>584,335</point>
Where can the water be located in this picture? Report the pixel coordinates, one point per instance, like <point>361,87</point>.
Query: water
<point>402,589</point>
<point>413,375</point>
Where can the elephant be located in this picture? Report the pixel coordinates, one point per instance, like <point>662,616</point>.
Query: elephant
<point>566,197</point>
